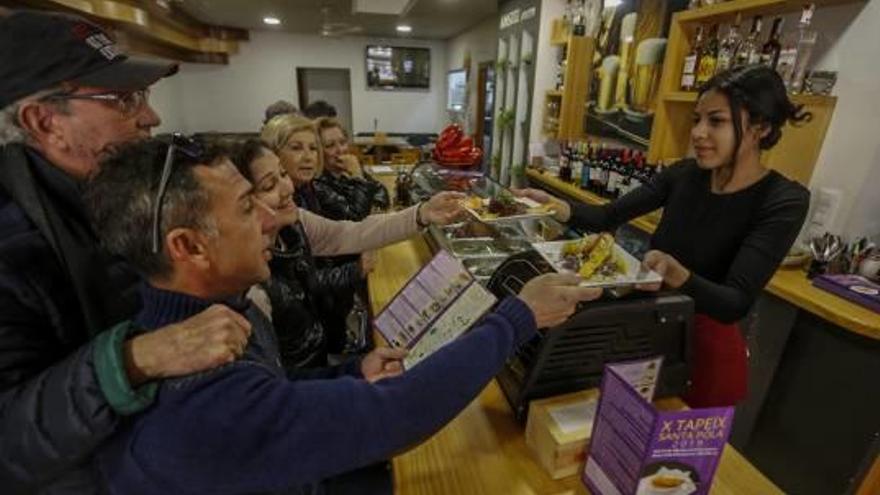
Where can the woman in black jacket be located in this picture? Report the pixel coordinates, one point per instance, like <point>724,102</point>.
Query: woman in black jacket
<point>295,140</point>
<point>344,175</point>
<point>295,291</point>
<point>727,222</point>
<point>299,291</point>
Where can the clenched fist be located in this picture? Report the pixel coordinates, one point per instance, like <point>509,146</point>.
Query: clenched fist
<point>217,335</point>
<point>553,297</point>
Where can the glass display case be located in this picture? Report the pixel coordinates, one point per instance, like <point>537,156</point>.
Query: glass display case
<point>481,246</point>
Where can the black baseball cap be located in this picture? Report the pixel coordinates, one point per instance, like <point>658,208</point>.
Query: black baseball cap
<point>39,50</point>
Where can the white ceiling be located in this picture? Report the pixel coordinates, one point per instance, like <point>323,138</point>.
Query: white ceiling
<point>430,19</point>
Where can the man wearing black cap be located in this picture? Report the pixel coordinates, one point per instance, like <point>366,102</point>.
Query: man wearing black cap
<point>71,367</point>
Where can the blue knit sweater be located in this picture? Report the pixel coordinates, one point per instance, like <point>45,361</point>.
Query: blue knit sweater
<point>246,428</point>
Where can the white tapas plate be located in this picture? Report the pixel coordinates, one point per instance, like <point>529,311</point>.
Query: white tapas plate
<point>534,210</point>
<point>634,274</point>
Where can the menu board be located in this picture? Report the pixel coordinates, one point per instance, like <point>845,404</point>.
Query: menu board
<point>636,449</point>
<point>439,303</point>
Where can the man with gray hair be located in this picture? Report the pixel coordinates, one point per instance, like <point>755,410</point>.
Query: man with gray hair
<point>280,107</point>
<point>71,368</point>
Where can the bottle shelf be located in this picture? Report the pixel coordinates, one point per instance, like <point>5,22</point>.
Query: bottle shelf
<point>728,10</point>
<point>800,99</point>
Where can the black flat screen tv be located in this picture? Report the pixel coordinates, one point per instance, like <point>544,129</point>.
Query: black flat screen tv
<point>397,67</point>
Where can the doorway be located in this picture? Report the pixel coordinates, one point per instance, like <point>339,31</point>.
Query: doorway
<point>330,85</point>
<point>485,106</point>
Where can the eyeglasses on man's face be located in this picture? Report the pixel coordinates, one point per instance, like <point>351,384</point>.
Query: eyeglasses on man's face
<point>127,102</point>
<point>179,144</point>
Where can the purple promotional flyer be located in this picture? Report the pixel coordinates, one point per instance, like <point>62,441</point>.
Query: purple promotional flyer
<point>635,449</point>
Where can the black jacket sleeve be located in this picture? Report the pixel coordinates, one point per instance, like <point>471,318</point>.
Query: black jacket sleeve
<point>638,202</point>
<point>350,203</point>
<point>53,414</point>
<point>379,194</point>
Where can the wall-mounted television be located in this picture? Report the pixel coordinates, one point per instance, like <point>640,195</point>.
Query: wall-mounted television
<point>397,67</point>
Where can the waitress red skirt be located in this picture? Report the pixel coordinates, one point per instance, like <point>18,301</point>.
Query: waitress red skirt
<point>719,364</point>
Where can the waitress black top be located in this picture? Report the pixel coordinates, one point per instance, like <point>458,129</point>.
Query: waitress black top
<point>732,243</point>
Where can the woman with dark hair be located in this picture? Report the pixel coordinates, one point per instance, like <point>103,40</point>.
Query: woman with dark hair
<point>295,295</point>
<point>727,223</point>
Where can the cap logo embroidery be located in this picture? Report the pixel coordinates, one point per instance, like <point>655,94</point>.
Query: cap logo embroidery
<point>104,45</point>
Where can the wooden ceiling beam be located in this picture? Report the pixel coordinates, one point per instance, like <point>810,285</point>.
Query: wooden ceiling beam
<point>146,28</point>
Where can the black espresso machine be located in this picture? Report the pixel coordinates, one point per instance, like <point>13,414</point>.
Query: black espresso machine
<point>571,356</point>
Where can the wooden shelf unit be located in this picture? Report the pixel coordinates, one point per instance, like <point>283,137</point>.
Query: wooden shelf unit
<point>559,33</point>
<point>726,11</point>
<point>797,152</point>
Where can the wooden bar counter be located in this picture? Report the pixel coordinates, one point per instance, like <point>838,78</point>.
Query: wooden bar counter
<point>483,450</point>
<point>801,339</point>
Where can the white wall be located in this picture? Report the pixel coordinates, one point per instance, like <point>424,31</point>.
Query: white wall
<point>164,99</point>
<point>232,97</point>
<point>850,157</point>
<point>481,42</point>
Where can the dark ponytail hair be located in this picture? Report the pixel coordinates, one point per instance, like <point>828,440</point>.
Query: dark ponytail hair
<point>245,152</point>
<point>759,91</point>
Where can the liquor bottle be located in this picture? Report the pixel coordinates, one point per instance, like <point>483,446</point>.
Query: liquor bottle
<point>567,15</point>
<point>606,172</point>
<point>806,40</point>
<point>613,175</point>
<point>689,71</point>
<point>596,169</point>
<point>729,45</point>
<point>708,57</point>
<point>564,163</point>
<point>585,166</point>
<point>749,51</point>
<point>580,26</point>
<point>770,50</point>
<point>638,172</point>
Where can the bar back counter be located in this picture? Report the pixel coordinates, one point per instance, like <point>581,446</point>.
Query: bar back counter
<point>812,419</point>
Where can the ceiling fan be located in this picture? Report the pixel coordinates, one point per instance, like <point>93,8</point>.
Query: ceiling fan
<point>332,29</point>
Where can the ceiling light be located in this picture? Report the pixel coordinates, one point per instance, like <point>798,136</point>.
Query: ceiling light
<point>272,21</point>
<point>403,28</point>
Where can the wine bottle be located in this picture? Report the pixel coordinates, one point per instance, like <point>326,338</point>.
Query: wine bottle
<point>728,46</point>
<point>749,51</point>
<point>708,57</point>
<point>770,50</point>
<point>806,40</point>
<point>689,71</point>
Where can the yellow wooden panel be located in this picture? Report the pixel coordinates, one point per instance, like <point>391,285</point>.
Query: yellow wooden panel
<point>483,450</point>
<point>578,72</point>
<point>724,11</point>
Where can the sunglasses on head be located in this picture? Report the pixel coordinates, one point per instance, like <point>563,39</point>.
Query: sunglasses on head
<point>179,144</point>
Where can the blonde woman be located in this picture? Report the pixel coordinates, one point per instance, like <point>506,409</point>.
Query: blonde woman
<point>295,140</point>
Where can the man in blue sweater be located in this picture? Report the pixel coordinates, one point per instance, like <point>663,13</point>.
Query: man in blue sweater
<point>247,428</point>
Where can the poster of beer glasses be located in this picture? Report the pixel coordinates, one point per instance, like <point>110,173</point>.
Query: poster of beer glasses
<point>627,65</point>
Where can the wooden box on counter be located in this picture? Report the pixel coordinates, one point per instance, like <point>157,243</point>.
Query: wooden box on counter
<point>559,450</point>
